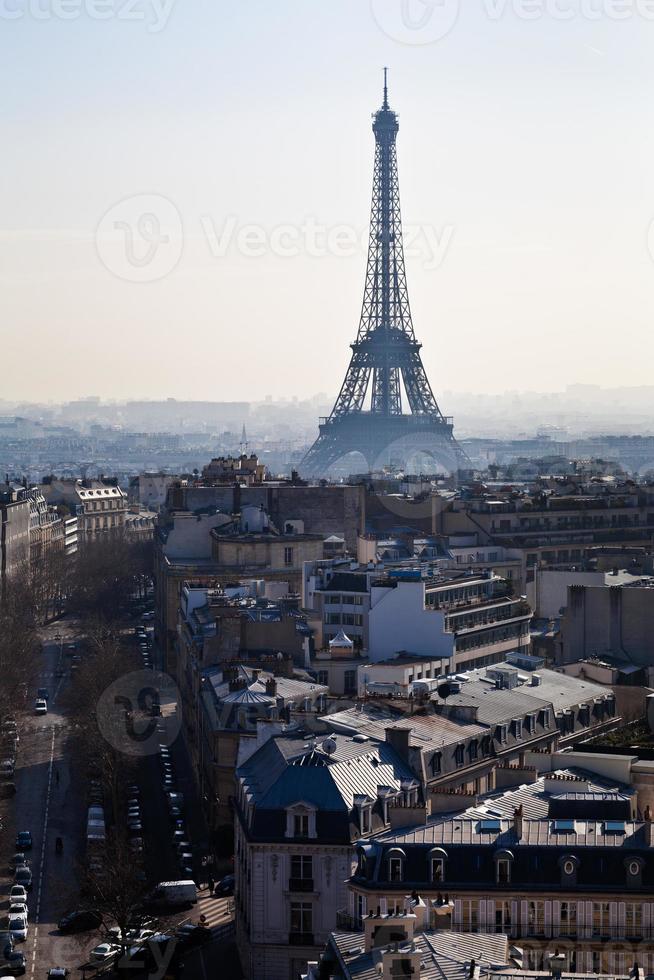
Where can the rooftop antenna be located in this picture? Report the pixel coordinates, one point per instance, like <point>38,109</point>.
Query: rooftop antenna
<point>385,105</point>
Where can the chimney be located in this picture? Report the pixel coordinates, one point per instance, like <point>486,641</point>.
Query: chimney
<point>271,687</point>
<point>517,822</point>
<point>398,739</point>
<point>255,675</point>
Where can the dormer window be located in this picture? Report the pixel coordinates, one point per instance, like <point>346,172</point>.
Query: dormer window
<point>502,733</point>
<point>459,755</point>
<point>437,859</point>
<point>301,821</point>
<point>435,763</point>
<point>473,749</point>
<point>503,862</point>
<point>517,727</point>
<point>301,825</point>
<point>363,806</point>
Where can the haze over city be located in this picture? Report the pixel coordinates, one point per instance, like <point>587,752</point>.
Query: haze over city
<point>525,164</point>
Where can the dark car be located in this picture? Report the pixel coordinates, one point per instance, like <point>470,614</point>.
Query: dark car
<point>44,693</point>
<point>80,921</point>
<point>192,935</point>
<point>225,886</point>
<point>23,876</point>
<point>7,789</point>
<point>24,840</point>
<point>14,963</point>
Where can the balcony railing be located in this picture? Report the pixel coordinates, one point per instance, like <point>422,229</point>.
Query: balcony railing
<point>345,920</point>
<point>300,884</point>
<point>300,939</point>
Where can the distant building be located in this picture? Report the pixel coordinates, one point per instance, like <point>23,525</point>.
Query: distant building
<point>242,469</point>
<point>100,505</point>
<point>149,489</point>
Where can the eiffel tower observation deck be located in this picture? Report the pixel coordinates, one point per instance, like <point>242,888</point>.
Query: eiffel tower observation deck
<point>386,410</point>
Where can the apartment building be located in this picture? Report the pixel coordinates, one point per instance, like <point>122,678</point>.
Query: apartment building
<point>563,866</point>
<point>467,620</point>
<point>302,802</point>
<point>100,505</point>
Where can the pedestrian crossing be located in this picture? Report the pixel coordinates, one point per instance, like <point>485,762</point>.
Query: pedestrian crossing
<point>213,912</point>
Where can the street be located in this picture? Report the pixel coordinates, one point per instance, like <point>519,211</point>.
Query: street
<point>50,802</point>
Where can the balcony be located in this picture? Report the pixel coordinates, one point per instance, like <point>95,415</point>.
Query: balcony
<point>345,920</point>
<point>300,939</point>
<point>300,884</point>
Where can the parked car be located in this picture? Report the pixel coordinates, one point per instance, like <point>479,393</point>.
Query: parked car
<point>104,952</point>
<point>18,859</point>
<point>80,920</point>
<point>14,964</point>
<point>7,769</point>
<point>18,927</point>
<point>7,789</point>
<point>18,908</point>
<point>23,876</point>
<point>58,973</point>
<point>24,840</point>
<point>225,886</point>
<point>17,893</point>
<point>40,706</point>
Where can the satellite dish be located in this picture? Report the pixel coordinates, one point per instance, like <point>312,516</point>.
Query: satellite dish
<point>329,746</point>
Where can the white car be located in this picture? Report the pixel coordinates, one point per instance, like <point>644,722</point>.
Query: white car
<point>18,908</point>
<point>18,894</point>
<point>103,952</point>
<point>18,927</point>
<point>40,706</point>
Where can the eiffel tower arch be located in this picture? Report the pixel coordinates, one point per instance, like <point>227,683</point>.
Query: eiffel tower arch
<point>386,374</point>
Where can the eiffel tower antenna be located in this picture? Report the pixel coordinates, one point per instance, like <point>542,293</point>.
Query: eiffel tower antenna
<point>386,374</point>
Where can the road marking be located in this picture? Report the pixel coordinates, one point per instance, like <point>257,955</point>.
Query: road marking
<point>43,844</point>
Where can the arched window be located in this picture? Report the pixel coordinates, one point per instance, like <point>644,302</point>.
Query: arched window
<point>503,862</point>
<point>437,859</point>
<point>395,861</point>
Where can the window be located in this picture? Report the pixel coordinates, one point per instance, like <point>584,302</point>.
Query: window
<point>568,925</point>
<point>502,916</point>
<point>302,918</point>
<point>437,870</point>
<point>517,727</point>
<point>530,724</point>
<point>503,871</point>
<point>301,866</point>
<point>473,748</point>
<point>502,733</point>
<point>435,763</point>
<point>288,556</point>
<point>322,677</point>
<point>459,755</point>
<point>546,718</point>
<point>301,825</point>
<point>395,868</point>
<point>350,681</point>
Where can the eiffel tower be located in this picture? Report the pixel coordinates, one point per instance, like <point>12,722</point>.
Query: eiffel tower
<point>386,355</point>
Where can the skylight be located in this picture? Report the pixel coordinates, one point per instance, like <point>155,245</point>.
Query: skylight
<point>489,826</point>
<point>614,827</point>
<point>563,826</point>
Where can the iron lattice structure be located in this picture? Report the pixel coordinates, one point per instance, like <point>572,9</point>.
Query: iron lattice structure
<point>386,355</point>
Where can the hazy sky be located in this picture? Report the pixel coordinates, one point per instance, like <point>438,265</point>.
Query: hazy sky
<point>186,186</point>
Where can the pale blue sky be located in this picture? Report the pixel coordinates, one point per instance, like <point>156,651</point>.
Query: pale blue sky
<point>526,156</point>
